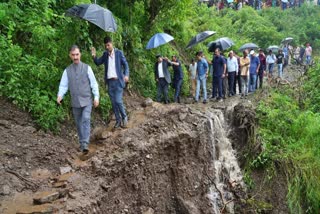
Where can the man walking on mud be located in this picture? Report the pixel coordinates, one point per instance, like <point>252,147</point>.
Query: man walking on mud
<point>116,76</point>
<point>80,80</point>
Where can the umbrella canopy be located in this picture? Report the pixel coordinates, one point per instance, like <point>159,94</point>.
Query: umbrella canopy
<point>95,14</point>
<point>287,40</point>
<point>248,46</point>
<point>159,39</point>
<point>221,43</point>
<point>199,38</point>
<point>273,48</point>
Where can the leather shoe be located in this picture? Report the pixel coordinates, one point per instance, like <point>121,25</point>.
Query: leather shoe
<point>117,125</point>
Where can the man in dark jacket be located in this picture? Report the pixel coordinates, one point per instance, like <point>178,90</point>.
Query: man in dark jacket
<point>177,77</point>
<point>162,77</point>
<point>116,76</point>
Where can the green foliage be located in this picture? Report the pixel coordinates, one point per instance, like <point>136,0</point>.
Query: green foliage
<point>291,136</point>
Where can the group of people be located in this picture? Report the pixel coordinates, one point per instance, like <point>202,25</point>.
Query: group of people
<point>256,4</point>
<point>246,71</point>
<point>80,80</point>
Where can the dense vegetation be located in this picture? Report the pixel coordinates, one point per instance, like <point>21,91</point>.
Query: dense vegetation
<point>35,37</point>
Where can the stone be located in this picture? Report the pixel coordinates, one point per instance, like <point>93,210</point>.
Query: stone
<point>5,124</point>
<point>30,129</point>
<point>45,197</point>
<point>64,170</point>
<point>5,190</point>
<point>148,210</point>
<point>147,102</point>
<point>59,185</point>
<point>182,116</point>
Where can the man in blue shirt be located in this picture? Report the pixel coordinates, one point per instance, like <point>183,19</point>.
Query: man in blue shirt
<point>202,74</point>
<point>80,80</point>
<point>253,70</point>
<point>219,72</point>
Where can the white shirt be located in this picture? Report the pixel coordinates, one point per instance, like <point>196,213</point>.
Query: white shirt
<point>160,70</point>
<point>232,64</point>
<point>308,51</point>
<point>193,70</point>
<point>271,59</point>
<point>112,66</point>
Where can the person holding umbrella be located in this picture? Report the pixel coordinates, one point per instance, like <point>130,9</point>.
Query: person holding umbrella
<point>116,76</point>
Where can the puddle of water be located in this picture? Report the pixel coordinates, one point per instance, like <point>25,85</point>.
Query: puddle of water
<point>22,202</point>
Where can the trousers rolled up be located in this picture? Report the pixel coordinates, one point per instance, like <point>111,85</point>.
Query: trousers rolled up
<point>82,117</point>
<point>162,89</point>
<point>115,92</point>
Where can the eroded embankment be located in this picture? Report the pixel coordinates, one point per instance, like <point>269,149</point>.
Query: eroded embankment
<point>171,159</point>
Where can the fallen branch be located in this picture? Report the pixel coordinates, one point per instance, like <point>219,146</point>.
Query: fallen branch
<point>29,182</point>
<point>225,205</point>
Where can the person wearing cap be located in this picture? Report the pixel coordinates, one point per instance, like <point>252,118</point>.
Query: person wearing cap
<point>163,78</point>
<point>280,58</point>
<point>232,68</point>
<point>253,70</point>
<point>202,74</point>
<point>177,77</point>
<point>262,68</point>
<point>192,74</point>
<point>116,76</point>
<point>244,73</point>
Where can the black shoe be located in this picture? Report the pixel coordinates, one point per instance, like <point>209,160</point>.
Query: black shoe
<point>117,125</point>
<point>85,151</point>
<point>204,101</point>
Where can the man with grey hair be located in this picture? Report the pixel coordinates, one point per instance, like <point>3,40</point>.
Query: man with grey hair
<point>80,80</point>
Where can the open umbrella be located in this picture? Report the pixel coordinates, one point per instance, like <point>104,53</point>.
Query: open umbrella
<point>248,46</point>
<point>95,14</point>
<point>199,38</point>
<point>159,39</point>
<point>273,48</point>
<point>287,40</point>
<point>221,43</point>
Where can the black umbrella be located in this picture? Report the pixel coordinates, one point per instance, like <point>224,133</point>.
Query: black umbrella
<point>199,38</point>
<point>221,43</point>
<point>95,14</point>
<point>248,46</point>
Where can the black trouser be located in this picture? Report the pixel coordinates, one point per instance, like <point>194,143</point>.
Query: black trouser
<point>260,77</point>
<point>237,79</point>
<point>231,77</point>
